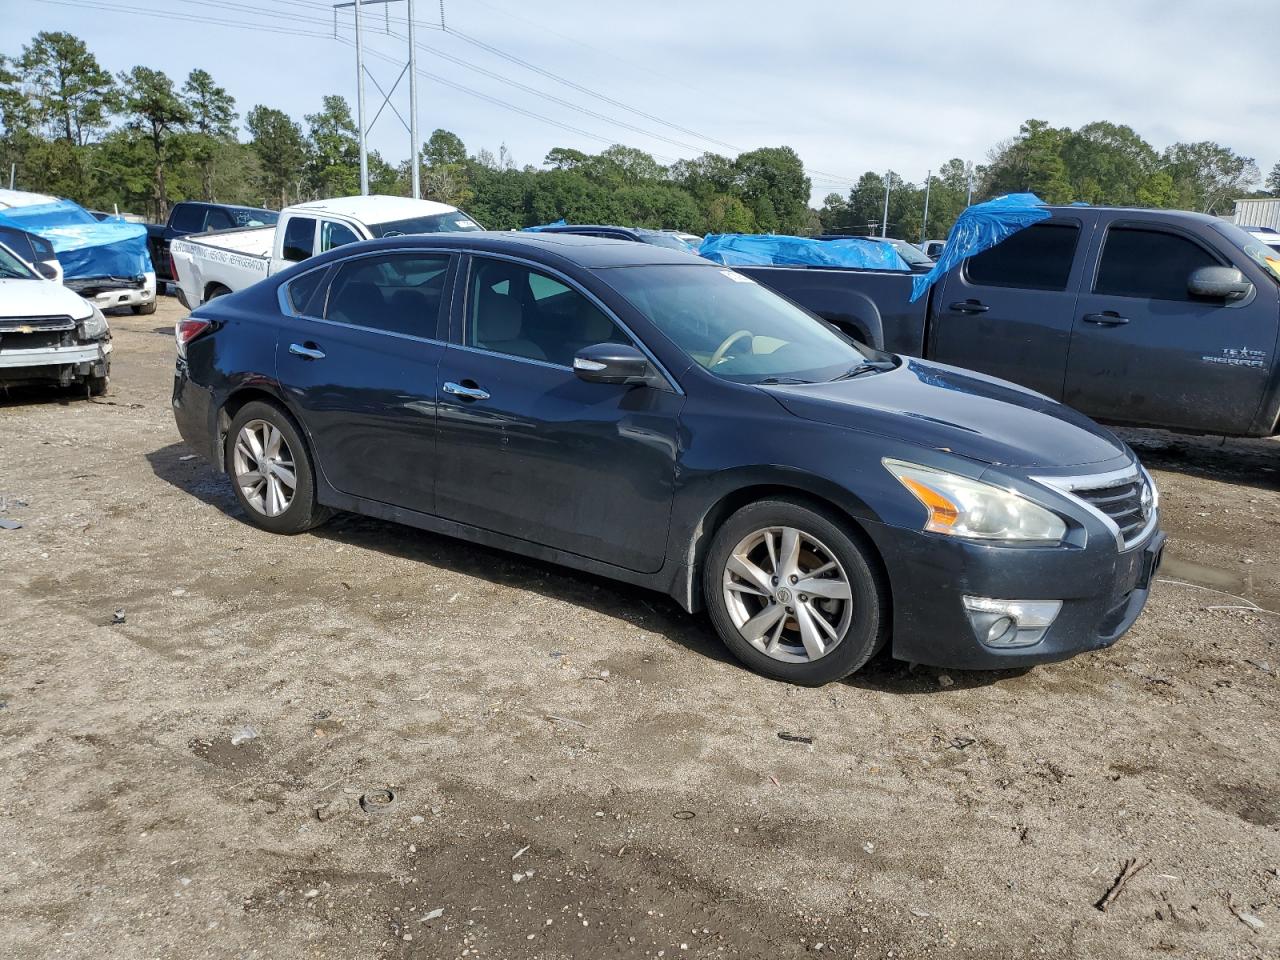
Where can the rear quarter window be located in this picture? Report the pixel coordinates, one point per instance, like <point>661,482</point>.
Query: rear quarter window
<point>302,292</point>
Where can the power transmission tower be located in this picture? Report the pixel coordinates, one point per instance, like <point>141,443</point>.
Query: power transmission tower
<point>410,68</point>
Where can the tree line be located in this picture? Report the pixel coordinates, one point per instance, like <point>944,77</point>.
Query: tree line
<point>140,141</point>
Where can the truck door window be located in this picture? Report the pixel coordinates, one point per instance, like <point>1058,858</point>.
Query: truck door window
<point>1150,264</point>
<point>394,293</point>
<point>334,234</point>
<point>187,218</point>
<point>299,237</point>
<point>1037,258</point>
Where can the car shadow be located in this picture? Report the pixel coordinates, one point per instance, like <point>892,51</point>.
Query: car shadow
<point>640,608</point>
<point>1238,460</point>
<point>42,395</point>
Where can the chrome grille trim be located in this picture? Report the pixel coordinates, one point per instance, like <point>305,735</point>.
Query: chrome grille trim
<point>1115,499</point>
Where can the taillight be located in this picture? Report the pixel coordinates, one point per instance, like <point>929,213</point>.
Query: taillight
<point>173,268</point>
<point>186,330</point>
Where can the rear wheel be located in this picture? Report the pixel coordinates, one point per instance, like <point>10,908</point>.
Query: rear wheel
<point>793,594</point>
<point>271,470</point>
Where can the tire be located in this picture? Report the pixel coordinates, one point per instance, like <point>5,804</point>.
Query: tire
<point>272,505</point>
<point>217,290</point>
<point>848,631</point>
<point>144,309</point>
<point>97,386</point>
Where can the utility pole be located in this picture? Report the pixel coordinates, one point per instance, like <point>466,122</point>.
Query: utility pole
<point>924,223</point>
<point>410,68</point>
<point>969,199</point>
<point>884,222</point>
<point>364,147</point>
<point>416,177</point>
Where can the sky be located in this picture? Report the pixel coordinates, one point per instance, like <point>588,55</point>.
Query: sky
<point>851,86</point>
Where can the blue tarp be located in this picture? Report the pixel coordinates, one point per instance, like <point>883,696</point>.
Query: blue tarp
<point>980,228</point>
<point>559,223</point>
<point>85,246</point>
<point>763,250</point>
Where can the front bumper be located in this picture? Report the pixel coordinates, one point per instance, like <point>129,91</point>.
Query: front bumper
<point>108,293</point>
<point>62,363</point>
<point>1102,590</point>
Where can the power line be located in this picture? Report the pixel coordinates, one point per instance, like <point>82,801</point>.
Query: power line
<point>183,17</point>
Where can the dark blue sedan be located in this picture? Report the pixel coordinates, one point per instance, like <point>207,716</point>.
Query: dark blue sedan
<point>646,415</point>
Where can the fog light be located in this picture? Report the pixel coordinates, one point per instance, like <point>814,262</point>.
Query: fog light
<point>1010,623</point>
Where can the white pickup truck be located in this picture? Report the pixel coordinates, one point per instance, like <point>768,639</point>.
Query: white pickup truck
<point>207,265</point>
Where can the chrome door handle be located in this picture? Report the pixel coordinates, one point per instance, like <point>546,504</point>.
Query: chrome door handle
<point>1108,319</point>
<point>969,306</point>
<point>311,353</point>
<point>467,393</point>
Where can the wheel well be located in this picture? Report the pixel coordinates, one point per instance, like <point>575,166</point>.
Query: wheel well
<point>731,502</point>
<point>211,290</point>
<point>854,330</point>
<point>233,406</point>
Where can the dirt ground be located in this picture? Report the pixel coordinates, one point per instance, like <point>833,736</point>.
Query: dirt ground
<point>578,770</point>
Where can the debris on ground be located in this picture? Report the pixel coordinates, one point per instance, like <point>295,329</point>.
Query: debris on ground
<point>244,734</point>
<point>1248,919</point>
<point>1130,870</point>
<point>435,914</point>
<point>944,680</point>
<point>6,524</point>
<point>377,801</point>
<point>794,737</point>
<point>118,616</point>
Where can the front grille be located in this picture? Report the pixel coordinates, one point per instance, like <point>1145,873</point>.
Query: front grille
<point>33,324</point>
<point>1122,503</point>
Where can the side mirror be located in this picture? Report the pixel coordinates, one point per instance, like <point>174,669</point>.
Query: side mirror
<point>46,270</point>
<point>1218,283</point>
<point>612,363</point>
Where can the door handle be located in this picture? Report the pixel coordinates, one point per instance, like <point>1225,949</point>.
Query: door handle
<point>969,306</point>
<point>466,393</point>
<point>309,352</point>
<point>1108,319</point>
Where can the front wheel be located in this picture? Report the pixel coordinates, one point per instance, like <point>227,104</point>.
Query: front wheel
<point>793,594</point>
<point>271,470</point>
<point>144,309</point>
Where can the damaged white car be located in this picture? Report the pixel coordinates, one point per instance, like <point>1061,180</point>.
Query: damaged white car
<point>48,334</point>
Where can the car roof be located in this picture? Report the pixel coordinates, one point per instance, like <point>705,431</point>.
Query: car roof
<point>1143,212</point>
<point>589,252</point>
<point>376,208</point>
<point>575,227</point>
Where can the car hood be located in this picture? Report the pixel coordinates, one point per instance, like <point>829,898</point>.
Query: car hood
<point>40,298</point>
<point>959,411</point>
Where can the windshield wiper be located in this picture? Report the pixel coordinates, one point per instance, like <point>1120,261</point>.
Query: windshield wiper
<point>867,366</point>
<point>779,380</point>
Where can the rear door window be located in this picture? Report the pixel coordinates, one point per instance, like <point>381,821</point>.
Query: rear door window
<point>1037,258</point>
<point>187,218</point>
<point>299,239</point>
<point>334,234</point>
<point>396,293</point>
<point>1149,264</point>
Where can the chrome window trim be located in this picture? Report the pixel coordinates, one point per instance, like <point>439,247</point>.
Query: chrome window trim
<point>1100,481</point>
<point>573,285</point>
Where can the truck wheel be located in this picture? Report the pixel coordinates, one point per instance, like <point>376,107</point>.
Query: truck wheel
<point>144,309</point>
<point>271,470</point>
<point>97,386</point>
<point>793,594</point>
<point>217,290</point>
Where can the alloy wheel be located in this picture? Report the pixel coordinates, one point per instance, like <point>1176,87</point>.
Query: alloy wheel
<point>264,469</point>
<point>787,594</point>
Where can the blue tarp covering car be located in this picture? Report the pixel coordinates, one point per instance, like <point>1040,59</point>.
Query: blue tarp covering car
<point>765,250</point>
<point>86,247</point>
<point>980,228</point>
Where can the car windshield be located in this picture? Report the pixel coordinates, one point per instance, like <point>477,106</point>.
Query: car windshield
<point>911,253</point>
<point>434,223</point>
<point>250,217</point>
<point>1262,254</point>
<point>11,268</point>
<point>732,326</point>
<point>668,240</point>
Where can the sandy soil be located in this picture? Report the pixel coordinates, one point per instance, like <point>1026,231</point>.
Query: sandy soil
<point>577,768</point>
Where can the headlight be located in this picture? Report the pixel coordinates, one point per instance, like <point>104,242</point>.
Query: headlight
<point>961,507</point>
<point>94,325</point>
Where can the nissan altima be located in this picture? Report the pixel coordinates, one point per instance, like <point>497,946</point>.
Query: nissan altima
<point>640,413</point>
